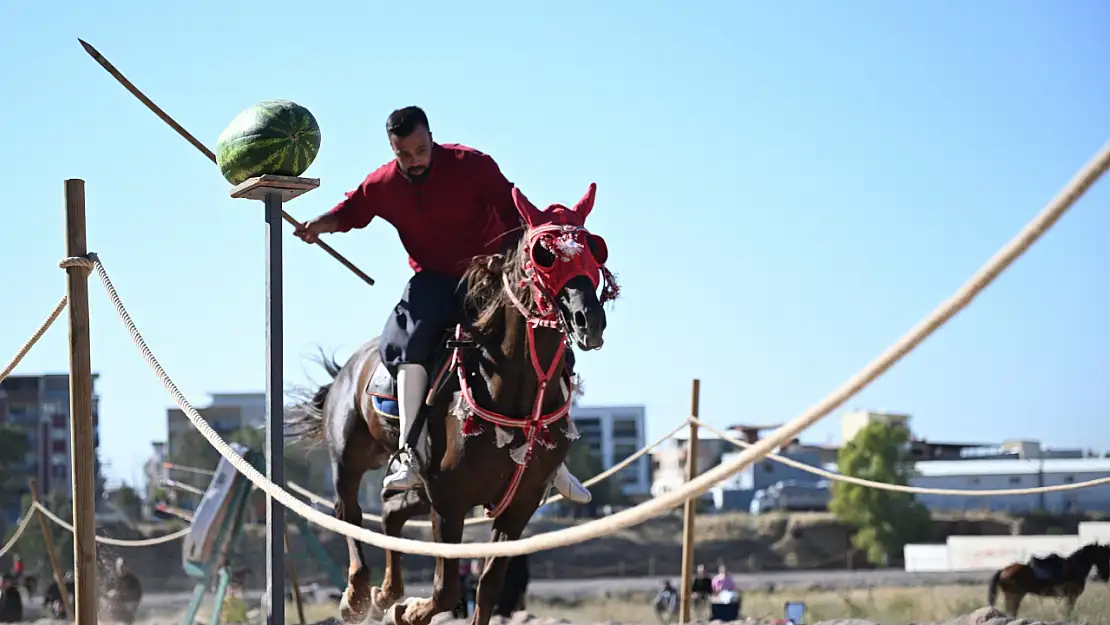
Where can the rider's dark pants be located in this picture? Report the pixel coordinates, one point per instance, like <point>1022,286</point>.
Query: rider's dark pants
<point>417,324</point>
<point>416,327</point>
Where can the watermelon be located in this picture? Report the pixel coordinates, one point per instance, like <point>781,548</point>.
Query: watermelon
<point>272,137</point>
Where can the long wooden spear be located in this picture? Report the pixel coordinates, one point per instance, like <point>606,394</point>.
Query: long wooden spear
<point>99,58</point>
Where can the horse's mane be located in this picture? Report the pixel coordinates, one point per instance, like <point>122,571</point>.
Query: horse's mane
<point>485,290</point>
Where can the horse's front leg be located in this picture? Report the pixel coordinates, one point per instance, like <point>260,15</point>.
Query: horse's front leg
<point>446,589</point>
<point>397,509</point>
<point>1071,595</point>
<point>509,526</point>
<point>1013,603</point>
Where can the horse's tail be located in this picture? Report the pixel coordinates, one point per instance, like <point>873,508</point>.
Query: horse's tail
<point>304,420</point>
<point>992,588</point>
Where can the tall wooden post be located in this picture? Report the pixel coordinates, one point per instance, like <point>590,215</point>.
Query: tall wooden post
<point>274,191</point>
<point>690,508</point>
<point>82,452</point>
<point>51,550</point>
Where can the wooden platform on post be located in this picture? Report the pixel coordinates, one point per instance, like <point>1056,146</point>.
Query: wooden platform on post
<point>288,187</point>
<point>273,191</point>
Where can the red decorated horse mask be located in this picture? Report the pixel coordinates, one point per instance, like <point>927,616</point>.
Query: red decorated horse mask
<point>566,249</point>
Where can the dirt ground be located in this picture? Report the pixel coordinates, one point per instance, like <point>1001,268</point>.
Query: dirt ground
<point>765,543</point>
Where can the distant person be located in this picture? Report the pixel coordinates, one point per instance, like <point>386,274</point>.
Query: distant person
<point>470,589</point>
<point>726,598</point>
<point>11,602</point>
<point>52,598</point>
<point>462,610</point>
<point>516,586</point>
<point>17,568</point>
<point>722,581</point>
<point>701,590</point>
<point>666,602</point>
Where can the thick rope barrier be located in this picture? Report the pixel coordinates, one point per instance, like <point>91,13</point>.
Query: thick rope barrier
<point>1002,259</point>
<point>695,487</point>
<point>115,542</point>
<point>898,488</point>
<point>478,520</point>
<point>27,518</point>
<point>14,362</point>
<point>324,501</point>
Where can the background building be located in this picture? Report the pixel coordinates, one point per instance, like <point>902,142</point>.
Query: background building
<point>614,433</point>
<point>226,413</point>
<point>39,406</point>
<point>1015,473</point>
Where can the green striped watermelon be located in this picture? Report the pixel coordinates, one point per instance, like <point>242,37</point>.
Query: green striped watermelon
<point>272,137</point>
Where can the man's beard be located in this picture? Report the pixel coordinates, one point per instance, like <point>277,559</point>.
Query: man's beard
<point>420,175</point>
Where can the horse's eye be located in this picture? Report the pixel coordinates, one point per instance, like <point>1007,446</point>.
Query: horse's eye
<point>598,248</point>
<point>542,256</point>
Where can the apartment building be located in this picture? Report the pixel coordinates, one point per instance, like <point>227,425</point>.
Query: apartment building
<point>39,405</point>
<point>613,433</point>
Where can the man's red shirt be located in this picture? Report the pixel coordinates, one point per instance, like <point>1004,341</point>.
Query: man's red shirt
<point>461,210</point>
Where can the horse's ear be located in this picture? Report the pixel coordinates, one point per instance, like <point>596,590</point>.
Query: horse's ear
<point>526,208</point>
<point>586,204</point>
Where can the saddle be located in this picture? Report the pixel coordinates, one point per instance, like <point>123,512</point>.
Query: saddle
<point>382,387</point>
<point>1047,569</point>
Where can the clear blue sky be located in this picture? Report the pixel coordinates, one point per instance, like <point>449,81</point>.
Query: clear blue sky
<point>785,189</point>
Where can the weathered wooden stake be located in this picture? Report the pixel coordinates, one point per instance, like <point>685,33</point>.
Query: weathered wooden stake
<point>274,191</point>
<point>51,550</point>
<point>690,509</point>
<point>81,427</point>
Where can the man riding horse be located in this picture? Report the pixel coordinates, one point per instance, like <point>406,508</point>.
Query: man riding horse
<point>449,203</point>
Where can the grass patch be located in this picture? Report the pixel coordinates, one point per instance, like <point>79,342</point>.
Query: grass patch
<point>889,606</point>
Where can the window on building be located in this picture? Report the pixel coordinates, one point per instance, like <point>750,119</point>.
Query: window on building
<point>625,428</point>
<point>1015,480</point>
<point>59,446</point>
<point>59,471</point>
<point>58,421</point>
<point>622,451</point>
<point>973,480</point>
<point>1069,479</point>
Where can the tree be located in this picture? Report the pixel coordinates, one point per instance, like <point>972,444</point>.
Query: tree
<point>128,501</point>
<point>883,521</point>
<point>32,545</point>
<point>13,448</point>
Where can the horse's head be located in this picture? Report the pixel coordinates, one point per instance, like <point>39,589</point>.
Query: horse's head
<point>563,265</point>
<point>1100,555</point>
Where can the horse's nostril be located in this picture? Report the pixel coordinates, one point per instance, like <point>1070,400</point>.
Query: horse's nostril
<point>580,319</point>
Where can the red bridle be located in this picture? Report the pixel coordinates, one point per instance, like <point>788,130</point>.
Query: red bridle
<point>574,252</point>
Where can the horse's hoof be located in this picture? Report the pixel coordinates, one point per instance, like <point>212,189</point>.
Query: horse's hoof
<point>351,614</point>
<point>395,615</point>
<point>378,604</point>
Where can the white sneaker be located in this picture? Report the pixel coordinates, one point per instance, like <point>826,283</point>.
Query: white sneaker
<point>404,478</point>
<point>569,487</point>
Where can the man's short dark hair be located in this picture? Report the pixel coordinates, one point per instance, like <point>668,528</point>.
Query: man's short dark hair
<point>403,122</point>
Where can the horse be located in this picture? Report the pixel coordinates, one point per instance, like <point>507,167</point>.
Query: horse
<point>496,433</point>
<point>1070,578</point>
